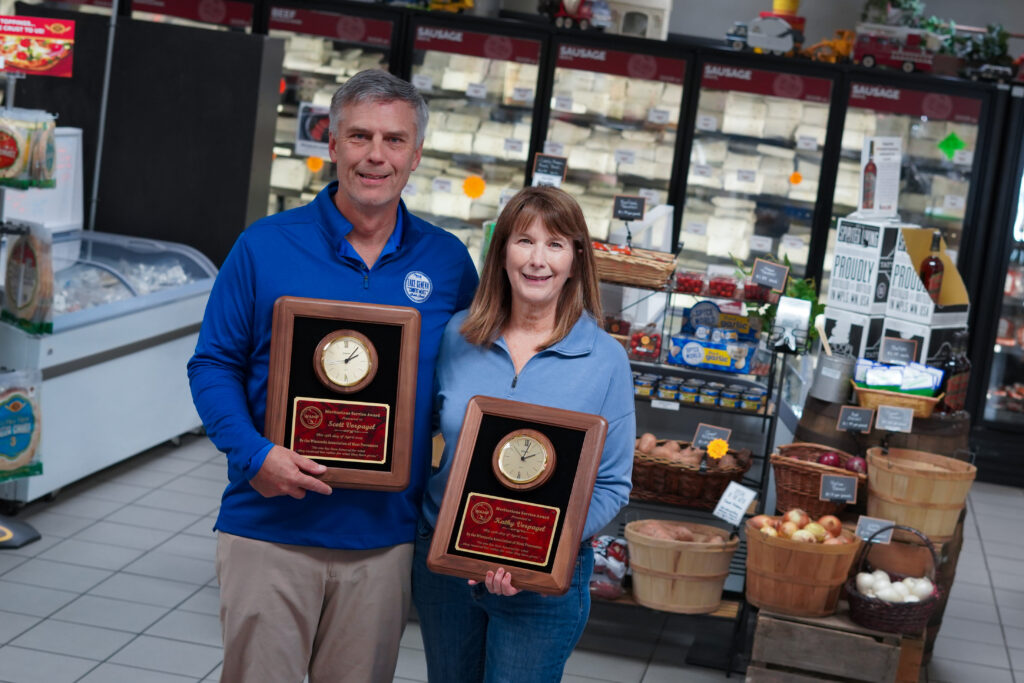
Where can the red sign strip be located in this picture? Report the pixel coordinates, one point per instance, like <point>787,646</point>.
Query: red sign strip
<point>344,27</point>
<point>472,44</point>
<point>222,12</point>
<point>761,82</point>
<point>632,65</point>
<point>935,106</point>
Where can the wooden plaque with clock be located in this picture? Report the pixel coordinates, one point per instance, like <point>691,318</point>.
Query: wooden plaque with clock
<point>342,388</point>
<point>518,493</point>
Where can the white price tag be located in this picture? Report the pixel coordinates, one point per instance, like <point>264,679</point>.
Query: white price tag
<point>746,176</point>
<point>478,91</point>
<point>706,122</point>
<point>504,198</point>
<point>562,103</point>
<point>409,190</point>
<point>793,242</point>
<point>664,405</point>
<point>695,228</point>
<point>522,94</point>
<point>442,185</point>
<point>653,197</point>
<point>659,116</point>
<point>733,504</point>
<point>964,157</point>
<point>807,142</point>
<point>954,202</point>
<point>554,148</point>
<point>625,156</point>
<point>513,145</point>
<point>761,243</point>
<point>422,82</point>
<point>702,170</point>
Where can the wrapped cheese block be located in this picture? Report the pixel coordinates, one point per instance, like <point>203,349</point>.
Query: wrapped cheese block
<point>784,108</point>
<point>736,124</point>
<point>814,114</point>
<point>779,128</point>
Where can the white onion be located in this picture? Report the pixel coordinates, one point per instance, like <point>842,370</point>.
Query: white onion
<point>880,577</point>
<point>910,582</point>
<point>911,598</point>
<point>923,589</point>
<point>889,594</point>
<point>865,582</point>
<point>901,588</point>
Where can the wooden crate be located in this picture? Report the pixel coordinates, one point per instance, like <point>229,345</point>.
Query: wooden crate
<point>833,648</point>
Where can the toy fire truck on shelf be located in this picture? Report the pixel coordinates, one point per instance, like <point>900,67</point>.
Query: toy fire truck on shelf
<point>896,47</point>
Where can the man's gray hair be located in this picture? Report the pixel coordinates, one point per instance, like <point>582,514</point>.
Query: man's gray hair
<point>375,85</point>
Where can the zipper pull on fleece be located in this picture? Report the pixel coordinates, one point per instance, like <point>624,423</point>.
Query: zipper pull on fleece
<point>515,379</point>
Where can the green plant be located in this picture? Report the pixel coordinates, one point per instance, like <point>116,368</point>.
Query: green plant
<point>797,288</point>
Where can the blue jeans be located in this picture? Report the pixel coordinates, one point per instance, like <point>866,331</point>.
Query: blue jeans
<point>471,635</point>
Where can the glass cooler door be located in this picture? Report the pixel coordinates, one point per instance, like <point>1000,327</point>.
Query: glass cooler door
<point>322,50</point>
<point>615,117</point>
<point>753,174</point>
<point>481,89</point>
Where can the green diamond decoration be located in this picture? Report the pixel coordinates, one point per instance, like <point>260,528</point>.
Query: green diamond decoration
<point>950,145</point>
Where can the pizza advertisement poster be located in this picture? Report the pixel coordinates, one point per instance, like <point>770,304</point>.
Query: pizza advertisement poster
<point>36,46</point>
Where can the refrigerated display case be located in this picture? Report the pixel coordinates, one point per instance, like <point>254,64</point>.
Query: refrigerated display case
<point>222,15</point>
<point>480,80</point>
<point>615,116</point>
<point>754,165</point>
<point>126,316</point>
<point>322,50</point>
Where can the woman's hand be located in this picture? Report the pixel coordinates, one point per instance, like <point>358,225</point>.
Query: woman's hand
<point>499,582</point>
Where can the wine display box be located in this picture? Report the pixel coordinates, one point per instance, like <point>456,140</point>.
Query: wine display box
<point>908,298</point>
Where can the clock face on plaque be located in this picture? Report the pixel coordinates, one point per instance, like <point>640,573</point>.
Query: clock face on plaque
<point>345,361</point>
<point>524,459</point>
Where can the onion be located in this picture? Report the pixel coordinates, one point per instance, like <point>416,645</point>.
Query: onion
<point>911,598</point>
<point>881,578</point>
<point>889,594</point>
<point>901,588</point>
<point>857,464</point>
<point>865,582</point>
<point>923,589</point>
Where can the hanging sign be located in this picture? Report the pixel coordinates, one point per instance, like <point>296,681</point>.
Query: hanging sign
<point>37,46</point>
<point>762,82</point>
<point>706,433</point>
<point>734,503</point>
<point>867,526</point>
<point>472,44</point>
<point>838,488</point>
<point>344,27</point>
<point>632,65</point>
<point>549,170</point>
<point>628,207</point>
<point>919,103</point>
<point>771,275</point>
<point>894,419</point>
<point>897,351</point>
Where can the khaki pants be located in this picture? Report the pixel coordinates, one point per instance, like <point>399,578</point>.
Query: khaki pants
<point>288,610</point>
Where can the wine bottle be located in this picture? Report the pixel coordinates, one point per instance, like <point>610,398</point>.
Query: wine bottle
<point>931,268</point>
<point>870,179</point>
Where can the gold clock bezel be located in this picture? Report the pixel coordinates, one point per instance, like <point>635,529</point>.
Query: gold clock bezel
<point>541,478</point>
<point>321,371</point>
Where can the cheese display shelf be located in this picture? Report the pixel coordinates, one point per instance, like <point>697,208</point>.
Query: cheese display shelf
<point>322,50</point>
<point>481,89</point>
<point>755,162</point>
<point>614,116</point>
<point>126,319</point>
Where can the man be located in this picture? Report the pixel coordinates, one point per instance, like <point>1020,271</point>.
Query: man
<point>313,581</point>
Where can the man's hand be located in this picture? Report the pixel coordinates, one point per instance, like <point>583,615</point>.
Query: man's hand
<point>285,472</point>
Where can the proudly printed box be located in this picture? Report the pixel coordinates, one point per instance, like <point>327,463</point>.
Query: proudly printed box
<point>853,334</point>
<point>862,266</point>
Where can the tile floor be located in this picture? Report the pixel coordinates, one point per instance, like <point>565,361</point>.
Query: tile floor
<point>121,588</point>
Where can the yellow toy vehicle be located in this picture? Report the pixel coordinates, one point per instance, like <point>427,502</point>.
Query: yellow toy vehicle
<point>837,49</point>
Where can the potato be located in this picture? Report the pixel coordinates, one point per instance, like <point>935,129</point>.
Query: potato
<point>647,442</point>
<point>672,445</point>
<point>661,452</point>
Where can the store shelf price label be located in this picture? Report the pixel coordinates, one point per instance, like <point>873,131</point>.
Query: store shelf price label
<point>555,148</point>
<point>442,185</point>
<point>894,419</point>
<point>423,82</point>
<point>707,122</point>
<point>522,94</point>
<point>513,145</point>
<point>625,156</point>
<point>734,503</point>
<point>838,488</point>
<point>954,202</point>
<point>664,405</point>
<point>562,103</point>
<point>806,142</point>
<point>658,116</point>
<point>706,433</point>
<point>963,157</point>
<point>746,176</point>
<point>702,170</point>
<point>695,228</point>
<point>897,351</point>
<point>791,242</point>
<point>653,197</point>
<point>855,419</point>
<point>478,91</point>
<point>761,243</point>
<point>549,169</point>
<point>866,526</point>
<point>771,275</point>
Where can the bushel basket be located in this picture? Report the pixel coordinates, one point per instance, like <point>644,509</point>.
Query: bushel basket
<point>909,618</point>
<point>663,480</point>
<point>798,478</point>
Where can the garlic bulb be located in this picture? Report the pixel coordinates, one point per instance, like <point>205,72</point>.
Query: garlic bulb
<point>865,582</point>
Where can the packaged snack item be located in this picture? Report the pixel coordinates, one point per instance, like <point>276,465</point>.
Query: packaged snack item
<point>28,281</point>
<point>27,148</point>
<point>20,426</point>
<point>611,559</point>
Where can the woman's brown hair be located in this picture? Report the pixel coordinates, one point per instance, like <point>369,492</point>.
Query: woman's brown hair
<point>562,216</point>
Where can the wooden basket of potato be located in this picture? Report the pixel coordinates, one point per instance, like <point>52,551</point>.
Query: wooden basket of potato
<point>669,471</point>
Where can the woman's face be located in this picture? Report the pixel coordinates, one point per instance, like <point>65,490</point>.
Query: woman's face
<point>537,263</point>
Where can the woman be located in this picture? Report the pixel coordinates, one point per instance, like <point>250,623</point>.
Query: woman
<point>531,335</point>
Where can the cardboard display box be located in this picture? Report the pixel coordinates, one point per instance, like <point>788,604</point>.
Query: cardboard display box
<point>908,299</point>
<point>930,340</point>
<point>852,333</point>
<point>861,269</point>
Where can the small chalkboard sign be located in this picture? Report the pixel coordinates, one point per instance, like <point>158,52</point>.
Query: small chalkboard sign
<point>866,526</point>
<point>771,275</point>
<point>549,169</point>
<point>628,207</point>
<point>897,351</point>
<point>894,419</point>
<point>838,488</point>
<point>707,433</point>
<point>855,419</point>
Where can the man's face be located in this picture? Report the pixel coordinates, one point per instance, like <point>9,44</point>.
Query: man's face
<point>375,150</point>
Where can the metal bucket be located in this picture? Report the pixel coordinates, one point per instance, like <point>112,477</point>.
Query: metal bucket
<point>832,378</point>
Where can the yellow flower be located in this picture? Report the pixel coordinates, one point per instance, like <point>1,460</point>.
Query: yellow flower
<point>718,448</point>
